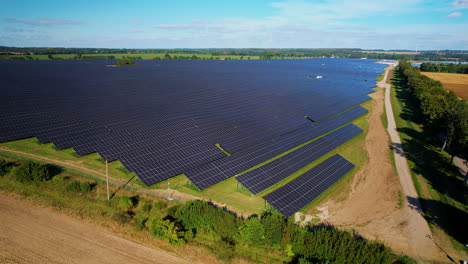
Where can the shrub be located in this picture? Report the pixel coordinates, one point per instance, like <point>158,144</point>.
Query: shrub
<point>141,220</point>
<point>57,179</point>
<point>5,167</point>
<point>73,186</point>
<point>122,217</point>
<point>32,172</point>
<point>225,249</point>
<point>171,211</point>
<point>145,207</point>
<point>405,260</point>
<point>168,230</point>
<point>125,203</point>
<point>252,231</point>
<point>85,187</point>
<point>158,205</point>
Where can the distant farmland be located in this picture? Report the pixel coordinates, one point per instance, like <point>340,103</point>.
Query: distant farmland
<point>392,52</point>
<point>458,83</point>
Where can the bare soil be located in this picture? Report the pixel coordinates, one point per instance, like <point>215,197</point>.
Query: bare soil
<point>30,234</point>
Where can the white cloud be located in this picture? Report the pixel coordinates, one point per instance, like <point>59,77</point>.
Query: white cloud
<point>455,14</point>
<point>460,3</point>
<point>328,23</point>
<point>45,21</point>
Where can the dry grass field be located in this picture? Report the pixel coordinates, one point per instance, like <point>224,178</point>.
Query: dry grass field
<point>458,83</point>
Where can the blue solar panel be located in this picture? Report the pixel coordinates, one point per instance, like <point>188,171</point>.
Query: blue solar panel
<point>163,118</point>
<point>298,193</point>
<point>275,171</point>
<point>222,169</point>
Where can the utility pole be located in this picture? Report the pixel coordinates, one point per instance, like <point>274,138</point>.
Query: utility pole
<point>169,191</point>
<point>107,179</point>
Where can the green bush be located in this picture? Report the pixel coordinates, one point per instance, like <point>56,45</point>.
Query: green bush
<point>57,179</point>
<point>145,207</point>
<point>73,186</point>
<point>225,249</point>
<point>168,230</point>
<point>125,203</point>
<point>158,205</point>
<point>405,260</point>
<point>85,187</point>
<point>5,167</point>
<point>141,220</point>
<point>30,171</point>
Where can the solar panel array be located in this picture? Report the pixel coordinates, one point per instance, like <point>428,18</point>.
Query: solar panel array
<point>273,172</point>
<point>163,118</point>
<point>222,169</point>
<point>299,192</point>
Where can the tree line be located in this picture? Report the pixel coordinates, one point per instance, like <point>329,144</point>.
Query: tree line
<point>270,53</point>
<point>442,111</point>
<point>194,221</point>
<point>444,67</point>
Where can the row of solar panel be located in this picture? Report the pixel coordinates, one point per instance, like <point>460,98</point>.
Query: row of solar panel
<point>262,178</point>
<point>219,170</point>
<point>299,192</point>
<point>163,118</point>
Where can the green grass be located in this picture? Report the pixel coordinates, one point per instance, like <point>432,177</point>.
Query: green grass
<point>222,149</point>
<point>92,161</point>
<point>380,77</point>
<point>437,181</point>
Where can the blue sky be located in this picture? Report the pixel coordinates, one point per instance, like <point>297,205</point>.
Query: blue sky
<point>368,24</point>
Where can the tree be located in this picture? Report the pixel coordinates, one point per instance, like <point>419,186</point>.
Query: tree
<point>252,231</point>
<point>274,223</point>
<point>167,56</point>
<point>125,203</point>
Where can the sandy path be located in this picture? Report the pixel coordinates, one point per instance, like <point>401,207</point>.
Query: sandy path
<point>418,228</point>
<point>30,234</point>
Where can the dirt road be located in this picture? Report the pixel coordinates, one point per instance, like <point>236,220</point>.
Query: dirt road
<point>418,228</point>
<point>372,204</point>
<point>30,234</point>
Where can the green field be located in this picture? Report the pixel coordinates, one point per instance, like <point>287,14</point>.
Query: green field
<point>438,182</point>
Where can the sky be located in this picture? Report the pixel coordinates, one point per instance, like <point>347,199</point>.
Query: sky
<point>366,24</point>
